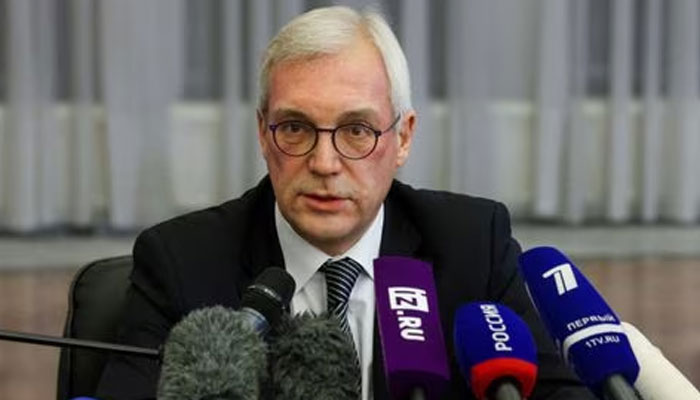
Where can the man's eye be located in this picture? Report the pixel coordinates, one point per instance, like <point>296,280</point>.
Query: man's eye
<point>357,131</point>
<point>293,127</point>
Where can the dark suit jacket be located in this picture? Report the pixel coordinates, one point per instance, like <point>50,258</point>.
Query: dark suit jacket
<point>209,257</point>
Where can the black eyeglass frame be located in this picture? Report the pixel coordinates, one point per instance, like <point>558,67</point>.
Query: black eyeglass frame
<point>332,131</point>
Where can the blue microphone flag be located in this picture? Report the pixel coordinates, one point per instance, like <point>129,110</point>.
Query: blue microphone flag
<point>586,330</point>
<point>492,342</point>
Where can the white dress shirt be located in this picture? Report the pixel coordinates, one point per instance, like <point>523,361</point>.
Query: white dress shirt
<point>302,261</point>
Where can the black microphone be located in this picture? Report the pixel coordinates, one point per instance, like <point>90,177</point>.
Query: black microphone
<point>311,358</point>
<point>219,353</point>
<point>264,302</point>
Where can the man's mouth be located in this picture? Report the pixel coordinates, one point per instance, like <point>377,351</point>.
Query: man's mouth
<point>324,202</point>
<point>323,197</point>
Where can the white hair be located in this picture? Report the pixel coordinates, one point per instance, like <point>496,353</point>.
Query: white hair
<point>329,30</point>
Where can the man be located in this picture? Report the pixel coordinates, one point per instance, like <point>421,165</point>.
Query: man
<point>334,124</point>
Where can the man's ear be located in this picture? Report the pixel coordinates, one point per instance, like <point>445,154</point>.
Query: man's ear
<point>405,136</point>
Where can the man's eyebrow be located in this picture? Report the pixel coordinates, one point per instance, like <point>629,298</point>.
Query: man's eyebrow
<point>368,114</point>
<point>289,113</point>
<point>359,113</point>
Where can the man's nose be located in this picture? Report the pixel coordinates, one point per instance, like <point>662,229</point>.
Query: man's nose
<point>324,159</point>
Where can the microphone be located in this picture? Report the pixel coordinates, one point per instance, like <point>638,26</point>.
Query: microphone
<point>312,358</point>
<point>219,353</point>
<point>415,361</point>
<point>584,327</point>
<point>658,378</point>
<point>495,351</point>
<point>264,302</point>
<point>213,353</point>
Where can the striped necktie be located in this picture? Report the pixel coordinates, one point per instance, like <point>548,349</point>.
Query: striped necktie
<point>341,276</point>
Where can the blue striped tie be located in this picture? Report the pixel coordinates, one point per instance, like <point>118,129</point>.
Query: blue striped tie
<point>341,276</point>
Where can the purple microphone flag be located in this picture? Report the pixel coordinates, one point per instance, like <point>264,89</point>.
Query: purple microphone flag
<point>409,327</point>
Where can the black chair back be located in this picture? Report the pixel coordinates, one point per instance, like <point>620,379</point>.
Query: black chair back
<point>95,304</point>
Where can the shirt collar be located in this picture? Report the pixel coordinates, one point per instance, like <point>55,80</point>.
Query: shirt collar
<point>302,260</point>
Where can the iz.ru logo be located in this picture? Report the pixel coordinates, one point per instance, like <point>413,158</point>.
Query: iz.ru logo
<point>403,299</point>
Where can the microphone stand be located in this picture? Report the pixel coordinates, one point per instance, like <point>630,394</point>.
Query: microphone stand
<point>418,394</point>
<point>504,389</point>
<point>616,388</point>
<point>78,344</point>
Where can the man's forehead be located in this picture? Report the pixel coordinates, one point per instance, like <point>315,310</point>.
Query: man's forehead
<point>349,84</point>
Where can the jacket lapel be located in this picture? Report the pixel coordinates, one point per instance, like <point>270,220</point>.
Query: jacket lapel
<point>262,244</point>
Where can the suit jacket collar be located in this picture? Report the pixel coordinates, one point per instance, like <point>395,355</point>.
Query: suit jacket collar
<point>262,244</point>
<point>400,237</point>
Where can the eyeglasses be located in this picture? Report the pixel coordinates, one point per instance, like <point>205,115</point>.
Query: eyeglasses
<point>354,141</point>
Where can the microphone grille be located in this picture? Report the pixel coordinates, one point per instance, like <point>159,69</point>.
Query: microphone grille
<point>213,353</point>
<point>270,294</point>
<point>313,358</point>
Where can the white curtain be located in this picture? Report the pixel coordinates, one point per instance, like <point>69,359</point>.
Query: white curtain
<point>141,62</point>
<point>569,111</point>
<point>29,138</point>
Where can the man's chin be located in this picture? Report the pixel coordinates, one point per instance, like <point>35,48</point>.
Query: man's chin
<point>331,231</point>
<point>326,232</point>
